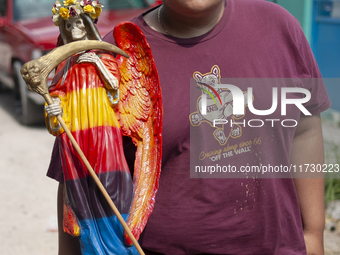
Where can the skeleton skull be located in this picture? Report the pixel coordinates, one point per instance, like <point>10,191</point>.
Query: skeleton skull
<point>219,134</point>
<point>76,28</point>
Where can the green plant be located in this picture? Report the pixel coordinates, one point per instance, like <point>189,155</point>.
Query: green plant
<point>332,185</point>
<point>332,189</point>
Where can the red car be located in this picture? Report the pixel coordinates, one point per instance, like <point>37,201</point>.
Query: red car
<point>27,32</point>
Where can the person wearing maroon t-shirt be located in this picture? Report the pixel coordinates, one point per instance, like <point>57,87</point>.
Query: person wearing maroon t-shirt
<point>208,41</point>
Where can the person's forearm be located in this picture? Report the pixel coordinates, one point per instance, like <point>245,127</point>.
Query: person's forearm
<point>311,199</point>
<point>307,148</point>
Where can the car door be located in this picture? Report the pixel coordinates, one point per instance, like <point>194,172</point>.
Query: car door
<point>5,49</point>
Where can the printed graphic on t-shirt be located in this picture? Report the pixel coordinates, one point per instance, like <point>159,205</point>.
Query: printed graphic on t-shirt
<point>219,106</point>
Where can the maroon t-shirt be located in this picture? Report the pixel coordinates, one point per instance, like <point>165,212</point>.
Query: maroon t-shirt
<point>253,39</point>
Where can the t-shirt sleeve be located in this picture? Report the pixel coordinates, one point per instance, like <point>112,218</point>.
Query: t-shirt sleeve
<point>319,101</point>
<point>109,38</point>
<point>55,170</point>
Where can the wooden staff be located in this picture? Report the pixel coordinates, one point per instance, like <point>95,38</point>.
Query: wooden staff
<point>35,74</point>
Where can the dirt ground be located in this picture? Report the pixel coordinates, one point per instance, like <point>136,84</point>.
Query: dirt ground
<point>331,135</point>
<point>332,242</point>
<point>28,197</point>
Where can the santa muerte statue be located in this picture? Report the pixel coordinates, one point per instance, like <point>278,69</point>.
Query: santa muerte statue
<point>98,99</point>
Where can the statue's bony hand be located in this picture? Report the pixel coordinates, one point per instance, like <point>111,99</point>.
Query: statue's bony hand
<point>89,57</point>
<point>111,82</point>
<point>53,109</point>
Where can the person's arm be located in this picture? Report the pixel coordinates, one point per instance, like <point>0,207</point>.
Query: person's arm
<point>307,148</point>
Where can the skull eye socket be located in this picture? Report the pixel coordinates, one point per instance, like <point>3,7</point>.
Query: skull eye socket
<point>74,23</point>
<point>68,25</point>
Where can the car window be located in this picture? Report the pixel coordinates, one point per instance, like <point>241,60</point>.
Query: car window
<point>123,4</point>
<point>30,9</point>
<point>3,7</point>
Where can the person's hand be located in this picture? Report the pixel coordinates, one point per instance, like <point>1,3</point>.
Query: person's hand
<point>53,109</point>
<point>314,243</point>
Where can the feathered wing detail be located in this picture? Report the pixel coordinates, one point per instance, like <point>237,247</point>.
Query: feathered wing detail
<point>140,113</point>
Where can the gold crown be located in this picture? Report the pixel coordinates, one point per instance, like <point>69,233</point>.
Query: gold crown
<point>72,8</point>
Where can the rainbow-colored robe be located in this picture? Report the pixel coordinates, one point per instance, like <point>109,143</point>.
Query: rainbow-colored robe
<point>90,116</point>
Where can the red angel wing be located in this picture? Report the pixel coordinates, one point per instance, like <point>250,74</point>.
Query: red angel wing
<point>140,113</point>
